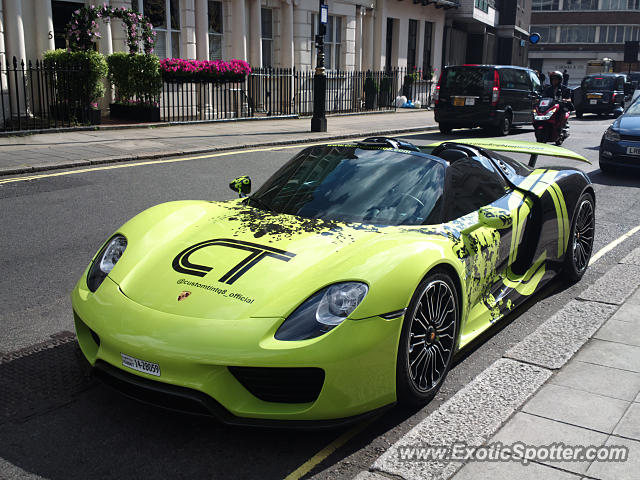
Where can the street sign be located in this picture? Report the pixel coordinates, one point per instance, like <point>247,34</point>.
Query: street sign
<point>324,14</point>
<point>534,38</point>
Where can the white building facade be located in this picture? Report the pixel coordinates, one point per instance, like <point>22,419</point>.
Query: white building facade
<point>361,34</point>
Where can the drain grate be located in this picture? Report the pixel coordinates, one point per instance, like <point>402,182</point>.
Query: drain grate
<point>40,377</point>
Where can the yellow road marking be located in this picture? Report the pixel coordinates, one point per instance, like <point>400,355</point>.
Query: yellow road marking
<point>613,245</point>
<point>153,162</point>
<point>143,163</point>
<point>307,466</point>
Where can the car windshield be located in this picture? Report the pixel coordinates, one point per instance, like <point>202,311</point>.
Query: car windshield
<point>351,184</point>
<point>591,83</point>
<point>634,108</point>
<point>467,80</point>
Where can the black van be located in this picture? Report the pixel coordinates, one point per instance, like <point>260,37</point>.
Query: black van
<point>602,93</point>
<point>494,97</point>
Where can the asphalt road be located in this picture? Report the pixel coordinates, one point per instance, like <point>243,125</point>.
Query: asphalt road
<point>58,424</point>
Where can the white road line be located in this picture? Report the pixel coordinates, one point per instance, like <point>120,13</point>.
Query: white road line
<point>613,245</point>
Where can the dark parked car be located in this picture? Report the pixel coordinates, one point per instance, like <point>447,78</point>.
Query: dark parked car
<point>602,93</point>
<point>634,78</point>
<point>620,145</point>
<point>494,97</point>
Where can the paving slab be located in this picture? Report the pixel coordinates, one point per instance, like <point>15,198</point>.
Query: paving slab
<point>598,379</point>
<point>471,416</point>
<point>621,332</point>
<point>615,286</point>
<point>627,470</point>
<point>511,471</point>
<point>611,354</point>
<point>629,425</point>
<point>554,342</point>
<point>537,431</point>
<point>577,407</point>
<point>628,312</point>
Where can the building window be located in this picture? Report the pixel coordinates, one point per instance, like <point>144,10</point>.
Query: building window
<point>266,21</point>
<point>62,12</point>
<point>580,4</point>
<point>578,34</point>
<point>332,41</point>
<point>426,52</point>
<point>388,44</point>
<point>482,5</point>
<point>166,26</point>
<point>545,5</point>
<point>412,38</point>
<point>547,32</point>
<point>620,5</point>
<point>214,12</point>
<point>618,33</point>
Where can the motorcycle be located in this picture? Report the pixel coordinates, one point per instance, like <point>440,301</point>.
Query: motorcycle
<point>550,121</point>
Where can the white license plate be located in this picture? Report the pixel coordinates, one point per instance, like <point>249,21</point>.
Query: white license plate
<point>593,102</point>
<point>633,150</point>
<point>469,101</point>
<point>140,365</point>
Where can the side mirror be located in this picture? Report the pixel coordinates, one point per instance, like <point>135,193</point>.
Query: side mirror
<point>241,185</point>
<point>494,217</point>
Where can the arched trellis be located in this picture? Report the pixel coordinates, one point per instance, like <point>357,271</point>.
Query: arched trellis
<point>82,29</point>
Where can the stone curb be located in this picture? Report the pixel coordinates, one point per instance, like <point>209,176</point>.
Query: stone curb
<point>174,153</point>
<point>484,405</point>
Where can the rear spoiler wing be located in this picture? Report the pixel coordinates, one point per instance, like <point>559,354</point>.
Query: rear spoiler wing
<point>517,146</point>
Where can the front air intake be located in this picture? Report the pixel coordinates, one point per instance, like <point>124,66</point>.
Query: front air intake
<point>281,385</point>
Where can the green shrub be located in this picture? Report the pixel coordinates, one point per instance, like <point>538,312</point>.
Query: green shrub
<point>136,77</point>
<point>77,76</point>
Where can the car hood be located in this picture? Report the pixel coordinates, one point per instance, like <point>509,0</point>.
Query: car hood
<point>230,261</point>
<point>628,124</point>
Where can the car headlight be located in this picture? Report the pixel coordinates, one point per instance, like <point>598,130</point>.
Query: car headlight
<point>105,261</point>
<point>323,311</point>
<point>611,135</point>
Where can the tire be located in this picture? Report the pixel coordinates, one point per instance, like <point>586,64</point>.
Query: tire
<point>542,135</point>
<point>504,128</point>
<point>604,168</point>
<point>445,129</point>
<point>579,114</point>
<point>420,375</point>
<point>580,243</point>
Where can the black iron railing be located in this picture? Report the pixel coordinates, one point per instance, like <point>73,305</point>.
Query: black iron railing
<point>43,95</point>
<point>269,92</point>
<point>47,95</point>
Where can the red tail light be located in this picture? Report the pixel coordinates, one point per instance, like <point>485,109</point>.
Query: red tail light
<point>495,93</point>
<point>436,94</point>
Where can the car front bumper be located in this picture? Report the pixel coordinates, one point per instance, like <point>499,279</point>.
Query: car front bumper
<point>614,154</point>
<point>600,107</point>
<point>196,358</point>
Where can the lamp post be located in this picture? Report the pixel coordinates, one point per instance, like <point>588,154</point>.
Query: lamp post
<point>319,120</point>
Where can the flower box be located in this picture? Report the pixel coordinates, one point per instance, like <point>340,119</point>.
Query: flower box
<point>138,113</point>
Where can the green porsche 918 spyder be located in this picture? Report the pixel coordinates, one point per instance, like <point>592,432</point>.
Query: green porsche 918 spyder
<point>345,284</point>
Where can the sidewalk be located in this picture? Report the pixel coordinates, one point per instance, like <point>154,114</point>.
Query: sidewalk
<point>46,151</point>
<point>574,381</point>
